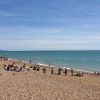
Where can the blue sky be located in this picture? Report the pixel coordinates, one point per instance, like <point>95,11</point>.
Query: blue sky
<point>50,24</point>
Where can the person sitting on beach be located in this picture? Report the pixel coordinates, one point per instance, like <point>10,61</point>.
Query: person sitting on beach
<point>24,65</point>
<point>12,66</point>
<point>5,66</point>
<point>27,68</point>
<point>21,68</point>
<point>34,67</point>
<point>8,67</point>
<point>80,74</point>
<point>38,68</point>
<point>16,69</point>
<point>44,70</point>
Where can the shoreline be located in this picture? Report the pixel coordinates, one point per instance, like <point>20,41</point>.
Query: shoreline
<point>53,66</point>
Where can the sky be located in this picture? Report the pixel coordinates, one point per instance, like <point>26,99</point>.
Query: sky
<point>49,24</point>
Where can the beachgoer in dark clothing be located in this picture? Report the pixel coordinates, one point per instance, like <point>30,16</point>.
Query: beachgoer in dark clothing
<point>37,68</point>
<point>20,68</point>
<point>8,67</point>
<point>24,65</point>
<point>44,70</point>
<point>98,73</point>
<point>51,70</point>
<point>59,71</point>
<point>34,68</point>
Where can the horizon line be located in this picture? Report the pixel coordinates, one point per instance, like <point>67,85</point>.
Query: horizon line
<point>53,50</point>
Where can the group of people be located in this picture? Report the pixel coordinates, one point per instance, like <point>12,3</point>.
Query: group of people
<point>36,67</point>
<point>96,73</point>
<point>12,67</point>
<point>59,71</point>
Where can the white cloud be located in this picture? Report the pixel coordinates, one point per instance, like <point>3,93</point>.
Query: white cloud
<point>36,38</point>
<point>46,45</point>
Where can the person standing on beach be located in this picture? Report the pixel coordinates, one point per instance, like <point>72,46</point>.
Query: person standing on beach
<point>59,71</point>
<point>51,70</point>
<point>65,71</point>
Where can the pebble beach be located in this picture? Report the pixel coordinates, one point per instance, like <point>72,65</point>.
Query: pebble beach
<point>36,85</point>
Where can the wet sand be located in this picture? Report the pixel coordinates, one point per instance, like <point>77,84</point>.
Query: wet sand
<point>36,85</point>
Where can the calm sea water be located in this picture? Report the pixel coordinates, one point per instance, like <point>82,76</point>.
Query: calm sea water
<point>85,60</point>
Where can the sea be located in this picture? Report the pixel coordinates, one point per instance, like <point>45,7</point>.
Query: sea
<point>88,60</point>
